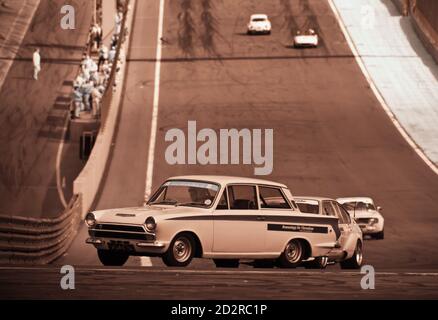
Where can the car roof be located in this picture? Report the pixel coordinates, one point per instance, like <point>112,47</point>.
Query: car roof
<point>313,198</point>
<point>356,199</point>
<point>259,16</point>
<point>223,180</point>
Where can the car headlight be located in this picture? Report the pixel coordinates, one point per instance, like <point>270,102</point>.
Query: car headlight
<point>373,221</point>
<point>150,223</point>
<point>90,220</point>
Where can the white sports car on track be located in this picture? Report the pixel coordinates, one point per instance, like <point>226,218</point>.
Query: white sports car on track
<point>367,215</point>
<point>349,249</point>
<point>221,218</point>
<point>259,24</point>
<point>307,39</point>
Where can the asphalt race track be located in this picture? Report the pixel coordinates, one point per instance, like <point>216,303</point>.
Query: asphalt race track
<point>331,137</point>
<point>135,283</point>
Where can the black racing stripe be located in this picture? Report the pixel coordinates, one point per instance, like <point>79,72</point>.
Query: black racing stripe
<point>326,220</point>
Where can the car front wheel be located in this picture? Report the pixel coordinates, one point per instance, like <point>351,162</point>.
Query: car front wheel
<point>292,255</point>
<point>180,252</point>
<point>112,258</point>
<point>355,262</point>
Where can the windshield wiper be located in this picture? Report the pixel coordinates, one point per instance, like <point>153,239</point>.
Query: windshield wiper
<point>166,202</point>
<point>197,204</point>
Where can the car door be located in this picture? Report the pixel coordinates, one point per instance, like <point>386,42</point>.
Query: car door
<point>350,237</point>
<point>330,209</point>
<point>344,226</point>
<point>240,228</point>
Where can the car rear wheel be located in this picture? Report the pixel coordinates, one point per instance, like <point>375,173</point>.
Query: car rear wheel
<point>180,252</point>
<point>226,263</point>
<point>292,255</point>
<point>355,262</point>
<point>112,258</point>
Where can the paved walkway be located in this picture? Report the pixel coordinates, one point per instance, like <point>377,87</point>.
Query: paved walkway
<point>403,71</point>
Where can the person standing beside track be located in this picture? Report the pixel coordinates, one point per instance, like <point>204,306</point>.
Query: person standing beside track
<point>36,63</point>
<point>78,99</point>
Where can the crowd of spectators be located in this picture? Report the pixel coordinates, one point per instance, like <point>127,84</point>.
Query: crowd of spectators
<point>97,63</point>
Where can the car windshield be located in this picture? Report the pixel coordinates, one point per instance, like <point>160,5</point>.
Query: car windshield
<point>308,206</point>
<point>309,32</point>
<point>185,193</point>
<point>258,19</point>
<point>358,206</point>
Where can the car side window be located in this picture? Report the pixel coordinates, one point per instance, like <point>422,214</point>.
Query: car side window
<point>328,209</point>
<point>345,215</point>
<point>272,198</point>
<point>339,214</point>
<point>242,197</point>
<point>223,202</point>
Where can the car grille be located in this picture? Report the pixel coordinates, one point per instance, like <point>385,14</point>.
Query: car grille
<point>118,227</point>
<point>115,231</point>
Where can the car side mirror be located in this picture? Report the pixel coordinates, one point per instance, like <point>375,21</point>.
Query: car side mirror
<point>379,209</point>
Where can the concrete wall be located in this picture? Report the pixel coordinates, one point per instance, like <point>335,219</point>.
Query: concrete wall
<point>402,6</point>
<point>424,14</point>
<point>425,20</point>
<point>88,182</point>
<point>429,10</point>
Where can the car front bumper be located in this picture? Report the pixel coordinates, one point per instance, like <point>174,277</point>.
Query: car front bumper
<point>370,229</point>
<point>133,247</point>
<point>258,31</point>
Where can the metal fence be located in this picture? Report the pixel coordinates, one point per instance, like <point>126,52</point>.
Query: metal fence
<point>38,241</point>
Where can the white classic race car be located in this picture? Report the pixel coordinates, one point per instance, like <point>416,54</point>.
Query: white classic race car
<point>307,39</point>
<point>221,218</point>
<point>349,251</point>
<point>366,214</point>
<point>259,24</point>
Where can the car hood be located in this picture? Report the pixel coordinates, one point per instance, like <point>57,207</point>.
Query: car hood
<point>138,215</point>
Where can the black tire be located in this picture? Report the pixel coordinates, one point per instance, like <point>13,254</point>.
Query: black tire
<point>112,258</point>
<point>226,263</point>
<point>380,235</point>
<point>355,262</point>
<point>181,251</point>
<point>318,263</point>
<point>264,264</point>
<point>292,255</point>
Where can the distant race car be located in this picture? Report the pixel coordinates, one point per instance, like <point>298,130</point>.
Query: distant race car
<point>366,214</point>
<point>259,24</point>
<point>306,39</point>
<point>349,249</point>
